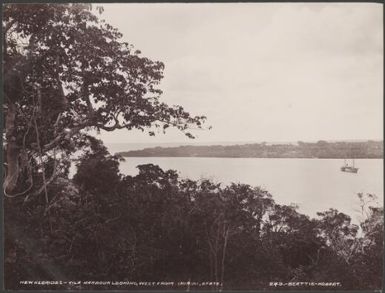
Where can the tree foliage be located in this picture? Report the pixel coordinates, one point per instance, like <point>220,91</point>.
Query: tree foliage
<point>156,226</point>
<point>66,71</point>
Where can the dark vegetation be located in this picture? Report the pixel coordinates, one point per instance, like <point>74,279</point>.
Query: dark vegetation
<point>66,72</point>
<point>157,227</point>
<point>320,149</point>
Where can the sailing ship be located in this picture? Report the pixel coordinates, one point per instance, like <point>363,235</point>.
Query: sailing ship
<point>349,168</point>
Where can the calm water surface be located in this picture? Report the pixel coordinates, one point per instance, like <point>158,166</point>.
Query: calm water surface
<point>314,184</point>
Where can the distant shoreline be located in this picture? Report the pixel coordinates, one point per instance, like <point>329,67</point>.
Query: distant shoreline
<point>301,150</point>
<point>214,157</point>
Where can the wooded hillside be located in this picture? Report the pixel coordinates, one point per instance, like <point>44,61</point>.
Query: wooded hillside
<point>321,149</point>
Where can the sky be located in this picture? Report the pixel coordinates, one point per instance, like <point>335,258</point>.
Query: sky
<point>262,71</point>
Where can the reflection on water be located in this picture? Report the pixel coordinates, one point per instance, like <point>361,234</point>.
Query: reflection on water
<point>314,184</point>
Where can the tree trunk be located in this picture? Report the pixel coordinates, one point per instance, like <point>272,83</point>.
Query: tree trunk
<point>12,150</point>
<point>226,237</point>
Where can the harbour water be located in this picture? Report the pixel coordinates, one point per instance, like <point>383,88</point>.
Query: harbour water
<point>315,185</point>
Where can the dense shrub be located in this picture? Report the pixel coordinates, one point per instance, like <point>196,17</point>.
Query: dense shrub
<point>157,227</point>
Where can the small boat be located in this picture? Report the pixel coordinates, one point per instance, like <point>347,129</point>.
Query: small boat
<point>349,168</point>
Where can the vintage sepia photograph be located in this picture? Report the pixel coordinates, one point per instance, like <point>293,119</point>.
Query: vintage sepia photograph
<point>193,146</point>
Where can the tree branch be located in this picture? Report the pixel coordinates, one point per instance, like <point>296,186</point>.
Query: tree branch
<point>8,26</point>
<point>114,127</point>
<point>6,29</point>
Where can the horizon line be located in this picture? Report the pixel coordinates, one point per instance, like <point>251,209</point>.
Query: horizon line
<point>248,141</point>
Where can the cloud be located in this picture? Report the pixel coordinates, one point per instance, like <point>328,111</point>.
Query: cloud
<point>265,71</point>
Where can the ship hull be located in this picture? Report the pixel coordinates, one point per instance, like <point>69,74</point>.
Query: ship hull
<point>349,169</point>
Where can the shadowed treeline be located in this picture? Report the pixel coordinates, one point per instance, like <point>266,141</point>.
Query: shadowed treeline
<point>320,149</point>
<point>157,227</point>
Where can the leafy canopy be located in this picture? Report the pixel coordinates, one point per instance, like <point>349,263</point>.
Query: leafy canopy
<point>67,72</point>
<point>62,59</point>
